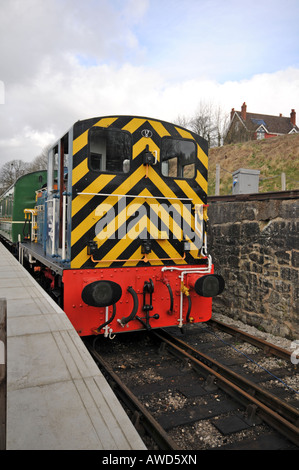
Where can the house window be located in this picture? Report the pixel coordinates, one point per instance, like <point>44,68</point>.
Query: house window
<point>108,149</point>
<point>260,133</point>
<point>178,158</point>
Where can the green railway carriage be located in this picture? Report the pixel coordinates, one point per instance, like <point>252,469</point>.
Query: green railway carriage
<point>20,196</point>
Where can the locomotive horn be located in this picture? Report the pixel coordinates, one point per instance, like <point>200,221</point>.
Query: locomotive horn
<point>210,285</point>
<point>101,293</point>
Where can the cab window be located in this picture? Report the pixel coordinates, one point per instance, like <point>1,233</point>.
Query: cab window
<point>109,150</point>
<point>178,158</point>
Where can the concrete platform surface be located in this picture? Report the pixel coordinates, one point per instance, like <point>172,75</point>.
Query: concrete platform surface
<point>57,399</point>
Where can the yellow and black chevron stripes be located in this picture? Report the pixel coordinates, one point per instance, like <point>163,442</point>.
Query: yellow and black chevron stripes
<point>131,199</point>
<point>131,206</point>
<point>124,227</point>
<point>133,125</point>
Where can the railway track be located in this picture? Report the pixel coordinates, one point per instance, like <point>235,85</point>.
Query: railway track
<point>179,395</point>
<point>292,194</point>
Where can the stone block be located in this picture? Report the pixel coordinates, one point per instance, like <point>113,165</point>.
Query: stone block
<point>295,258</point>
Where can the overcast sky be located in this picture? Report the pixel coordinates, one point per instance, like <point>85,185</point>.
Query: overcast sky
<point>64,60</point>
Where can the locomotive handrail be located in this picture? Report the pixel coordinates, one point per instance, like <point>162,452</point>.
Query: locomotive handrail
<point>33,213</point>
<point>145,259</point>
<point>170,311</point>
<point>109,320</point>
<point>126,320</point>
<point>192,270</point>
<point>183,272</point>
<point>64,203</point>
<point>134,195</point>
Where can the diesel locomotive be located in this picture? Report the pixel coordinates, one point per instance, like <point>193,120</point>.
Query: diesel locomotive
<point>118,231</point>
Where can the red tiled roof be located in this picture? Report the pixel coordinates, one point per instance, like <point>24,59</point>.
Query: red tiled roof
<point>273,124</point>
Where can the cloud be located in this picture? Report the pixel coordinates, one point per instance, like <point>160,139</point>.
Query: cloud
<point>64,60</point>
<point>33,31</point>
<point>2,92</point>
<point>42,110</point>
<point>219,40</point>
<point>37,137</point>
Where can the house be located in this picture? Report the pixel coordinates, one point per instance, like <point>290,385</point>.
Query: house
<point>251,126</point>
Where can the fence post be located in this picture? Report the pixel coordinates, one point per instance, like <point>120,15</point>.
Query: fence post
<point>283,181</point>
<point>3,372</point>
<point>217,184</point>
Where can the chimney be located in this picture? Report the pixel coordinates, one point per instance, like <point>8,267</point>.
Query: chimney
<point>293,117</point>
<point>243,111</point>
<point>232,113</point>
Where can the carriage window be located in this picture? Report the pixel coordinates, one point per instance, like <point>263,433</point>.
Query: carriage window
<point>109,149</point>
<point>178,158</point>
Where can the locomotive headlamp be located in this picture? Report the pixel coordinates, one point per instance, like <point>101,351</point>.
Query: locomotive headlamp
<point>209,286</point>
<point>101,293</point>
<point>148,158</point>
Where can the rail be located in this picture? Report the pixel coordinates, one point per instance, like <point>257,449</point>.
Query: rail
<point>141,416</point>
<point>267,347</point>
<point>275,412</point>
<point>293,194</point>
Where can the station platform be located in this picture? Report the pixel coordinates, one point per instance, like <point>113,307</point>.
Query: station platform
<point>57,399</point>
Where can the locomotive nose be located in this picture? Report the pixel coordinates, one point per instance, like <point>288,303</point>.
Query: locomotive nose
<point>210,285</point>
<point>101,293</point>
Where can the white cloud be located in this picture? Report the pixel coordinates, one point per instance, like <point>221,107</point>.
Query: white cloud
<point>38,138</point>
<point>64,60</point>
<point>2,92</point>
<point>268,93</point>
<point>45,108</point>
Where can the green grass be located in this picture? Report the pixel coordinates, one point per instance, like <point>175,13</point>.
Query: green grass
<point>270,156</point>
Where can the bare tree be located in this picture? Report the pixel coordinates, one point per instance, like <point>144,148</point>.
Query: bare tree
<point>182,121</point>
<point>202,123</point>
<point>41,161</point>
<point>11,171</point>
<point>209,121</point>
<point>221,122</point>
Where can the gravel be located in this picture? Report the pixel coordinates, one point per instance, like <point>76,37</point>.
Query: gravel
<point>277,340</point>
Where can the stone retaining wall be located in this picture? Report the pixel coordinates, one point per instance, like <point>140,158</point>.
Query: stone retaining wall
<point>255,246</point>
